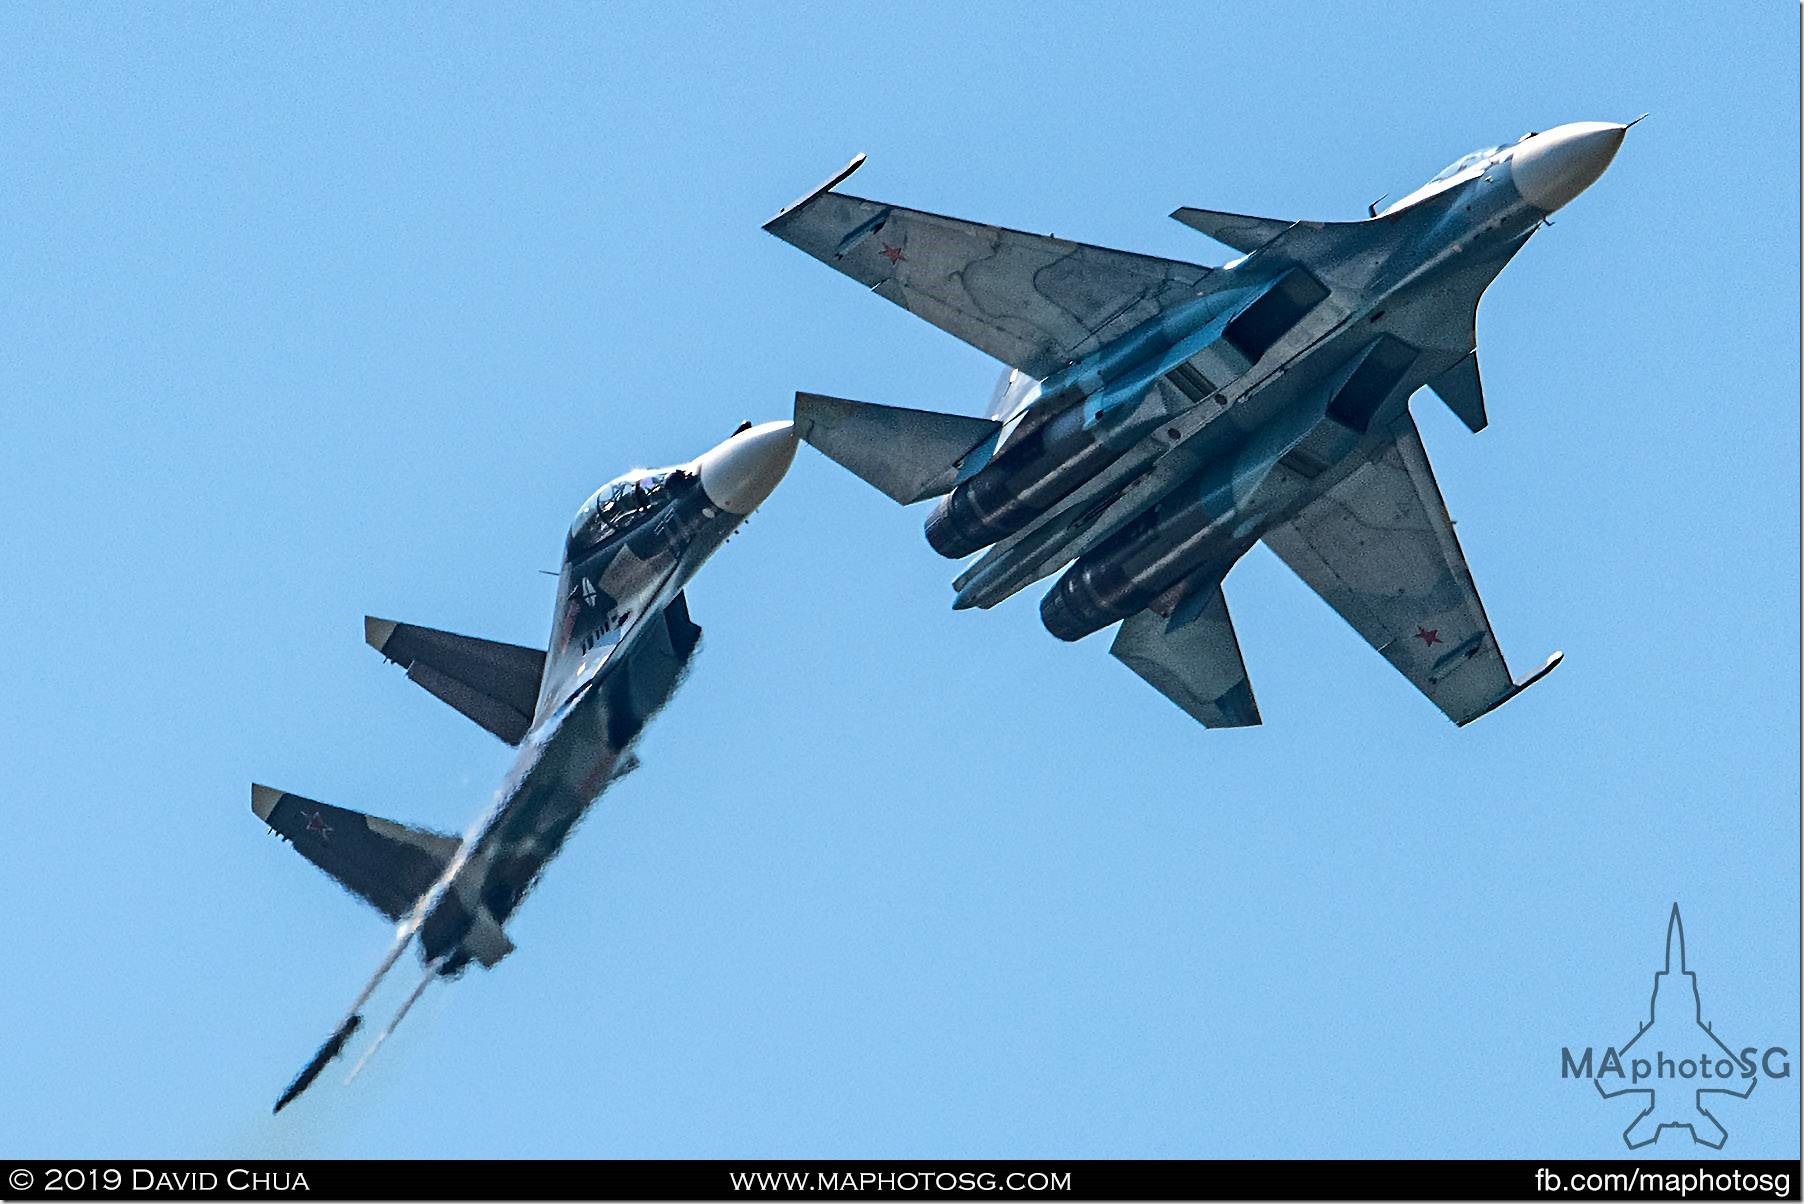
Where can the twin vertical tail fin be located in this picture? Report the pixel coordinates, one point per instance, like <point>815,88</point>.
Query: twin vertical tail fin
<point>1460,387</point>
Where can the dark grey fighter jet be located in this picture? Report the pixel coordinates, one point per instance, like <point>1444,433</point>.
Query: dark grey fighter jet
<point>621,639</point>
<point>1159,417</point>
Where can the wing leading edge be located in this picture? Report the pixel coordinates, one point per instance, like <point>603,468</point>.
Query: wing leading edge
<point>1379,548</point>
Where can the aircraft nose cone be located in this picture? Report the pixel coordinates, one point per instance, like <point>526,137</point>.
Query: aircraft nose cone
<point>1554,166</point>
<point>740,473</point>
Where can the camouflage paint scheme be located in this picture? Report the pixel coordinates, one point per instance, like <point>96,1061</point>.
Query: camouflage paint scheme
<point>1158,418</point>
<point>621,641</point>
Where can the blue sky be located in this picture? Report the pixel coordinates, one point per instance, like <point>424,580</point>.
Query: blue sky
<point>313,312</point>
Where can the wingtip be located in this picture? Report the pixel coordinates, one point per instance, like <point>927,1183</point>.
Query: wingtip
<point>1547,666</point>
<point>264,800</point>
<point>377,631</point>
<point>828,185</point>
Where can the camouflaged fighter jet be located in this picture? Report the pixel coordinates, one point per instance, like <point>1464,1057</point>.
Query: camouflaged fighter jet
<point>1158,418</point>
<point>621,640</point>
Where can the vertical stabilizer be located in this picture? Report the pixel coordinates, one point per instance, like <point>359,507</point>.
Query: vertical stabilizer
<point>1463,392</point>
<point>1675,942</point>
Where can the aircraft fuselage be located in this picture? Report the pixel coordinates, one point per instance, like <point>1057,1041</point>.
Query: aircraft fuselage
<point>621,639</point>
<point>1157,460</point>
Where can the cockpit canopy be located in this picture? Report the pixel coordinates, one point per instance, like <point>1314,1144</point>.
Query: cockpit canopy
<point>1474,159</point>
<point>623,504</point>
<point>1463,162</point>
<point>1442,179</point>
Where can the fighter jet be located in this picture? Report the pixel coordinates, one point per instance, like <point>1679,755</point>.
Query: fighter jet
<point>621,640</point>
<point>1681,1028</point>
<point>1158,418</point>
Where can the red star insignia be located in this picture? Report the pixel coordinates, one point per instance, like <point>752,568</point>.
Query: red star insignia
<point>893,254</point>
<point>317,823</point>
<point>1428,635</point>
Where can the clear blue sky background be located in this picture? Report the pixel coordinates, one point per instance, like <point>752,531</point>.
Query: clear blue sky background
<point>312,311</point>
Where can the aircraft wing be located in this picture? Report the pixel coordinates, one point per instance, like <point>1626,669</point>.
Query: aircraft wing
<point>1379,547</point>
<point>1030,300</point>
<point>1193,658</point>
<point>388,865</point>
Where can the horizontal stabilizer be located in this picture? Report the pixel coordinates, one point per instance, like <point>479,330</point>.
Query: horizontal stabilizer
<point>495,684</point>
<point>908,454</point>
<point>1244,233</point>
<point>1193,658</point>
<point>1463,392</point>
<point>389,865</point>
